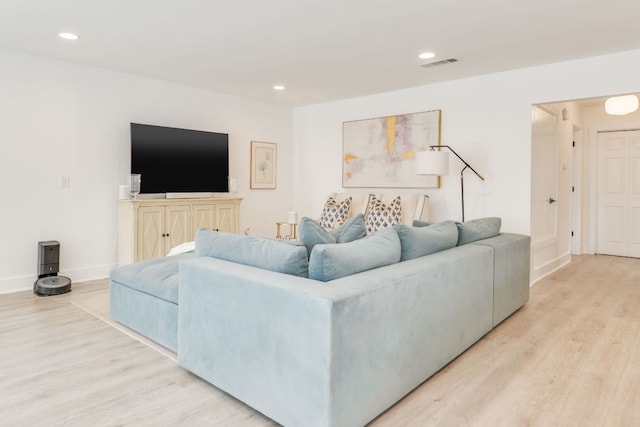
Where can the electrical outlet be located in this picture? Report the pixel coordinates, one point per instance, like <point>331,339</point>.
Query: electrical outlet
<point>65,181</point>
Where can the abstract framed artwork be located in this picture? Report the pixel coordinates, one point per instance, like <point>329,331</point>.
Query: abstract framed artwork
<point>380,152</point>
<point>264,156</point>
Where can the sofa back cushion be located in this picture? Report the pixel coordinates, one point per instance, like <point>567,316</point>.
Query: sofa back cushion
<point>420,241</point>
<point>332,261</point>
<point>269,254</point>
<point>478,229</point>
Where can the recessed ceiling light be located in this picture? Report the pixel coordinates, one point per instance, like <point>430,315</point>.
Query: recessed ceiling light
<point>279,87</point>
<point>426,55</point>
<point>68,36</point>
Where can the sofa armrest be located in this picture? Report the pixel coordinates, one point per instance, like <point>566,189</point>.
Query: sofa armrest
<point>511,276</point>
<point>259,335</point>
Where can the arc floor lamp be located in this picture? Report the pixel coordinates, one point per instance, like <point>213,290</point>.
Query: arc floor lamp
<point>436,162</point>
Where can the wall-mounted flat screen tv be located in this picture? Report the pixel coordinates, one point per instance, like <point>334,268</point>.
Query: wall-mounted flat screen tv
<point>173,160</point>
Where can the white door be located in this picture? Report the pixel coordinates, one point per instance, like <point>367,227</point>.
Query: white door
<point>619,193</point>
<point>544,179</point>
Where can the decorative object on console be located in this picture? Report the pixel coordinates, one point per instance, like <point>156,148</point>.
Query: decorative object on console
<point>263,164</point>
<point>334,214</point>
<point>233,185</point>
<point>434,162</point>
<point>135,179</point>
<point>123,192</point>
<point>379,152</point>
<point>378,215</point>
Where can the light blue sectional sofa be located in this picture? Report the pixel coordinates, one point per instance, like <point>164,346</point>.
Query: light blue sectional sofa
<point>336,349</point>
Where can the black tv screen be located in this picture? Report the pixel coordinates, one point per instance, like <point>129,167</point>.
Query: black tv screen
<point>173,160</point>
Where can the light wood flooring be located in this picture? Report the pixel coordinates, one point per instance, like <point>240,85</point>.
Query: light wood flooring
<point>570,357</point>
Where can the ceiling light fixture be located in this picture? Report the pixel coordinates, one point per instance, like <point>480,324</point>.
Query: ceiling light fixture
<point>279,87</point>
<point>68,36</point>
<point>426,55</point>
<point>621,105</point>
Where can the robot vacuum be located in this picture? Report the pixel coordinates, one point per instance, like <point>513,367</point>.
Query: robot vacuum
<point>52,285</point>
<point>49,283</point>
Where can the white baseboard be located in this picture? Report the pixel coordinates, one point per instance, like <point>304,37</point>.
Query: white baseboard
<point>25,283</point>
<point>550,267</point>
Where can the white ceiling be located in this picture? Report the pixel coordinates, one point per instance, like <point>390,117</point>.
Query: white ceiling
<point>322,50</point>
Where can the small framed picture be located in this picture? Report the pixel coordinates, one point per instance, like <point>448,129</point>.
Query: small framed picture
<point>264,157</point>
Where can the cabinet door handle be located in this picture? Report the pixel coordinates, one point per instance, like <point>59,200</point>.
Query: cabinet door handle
<point>551,200</point>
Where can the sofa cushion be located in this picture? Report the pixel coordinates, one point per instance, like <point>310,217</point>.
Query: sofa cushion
<point>379,215</point>
<point>311,233</point>
<point>157,277</point>
<point>334,213</point>
<point>419,223</point>
<point>420,241</point>
<point>269,254</point>
<point>352,229</point>
<point>477,229</point>
<point>332,261</point>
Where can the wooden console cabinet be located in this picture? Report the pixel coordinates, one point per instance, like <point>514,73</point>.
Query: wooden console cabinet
<point>149,228</point>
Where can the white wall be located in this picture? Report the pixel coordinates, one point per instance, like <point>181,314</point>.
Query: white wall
<point>487,119</point>
<point>58,119</point>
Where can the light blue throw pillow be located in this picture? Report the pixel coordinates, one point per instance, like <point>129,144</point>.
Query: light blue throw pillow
<point>478,229</point>
<point>352,229</point>
<point>269,254</point>
<point>311,233</point>
<point>420,241</point>
<point>332,261</point>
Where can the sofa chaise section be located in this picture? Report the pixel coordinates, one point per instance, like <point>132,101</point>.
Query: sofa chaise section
<point>337,353</point>
<point>144,297</point>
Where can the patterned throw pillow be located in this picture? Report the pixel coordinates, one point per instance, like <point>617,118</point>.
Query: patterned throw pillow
<point>379,215</point>
<point>334,214</point>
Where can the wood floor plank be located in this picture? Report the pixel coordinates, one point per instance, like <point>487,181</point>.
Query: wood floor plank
<point>570,357</point>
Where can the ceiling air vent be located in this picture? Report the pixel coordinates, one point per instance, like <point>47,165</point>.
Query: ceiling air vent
<point>441,62</point>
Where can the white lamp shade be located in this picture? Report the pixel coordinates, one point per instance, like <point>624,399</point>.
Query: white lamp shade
<point>621,105</point>
<point>432,163</point>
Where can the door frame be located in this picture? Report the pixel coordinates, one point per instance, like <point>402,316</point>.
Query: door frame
<point>576,195</point>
